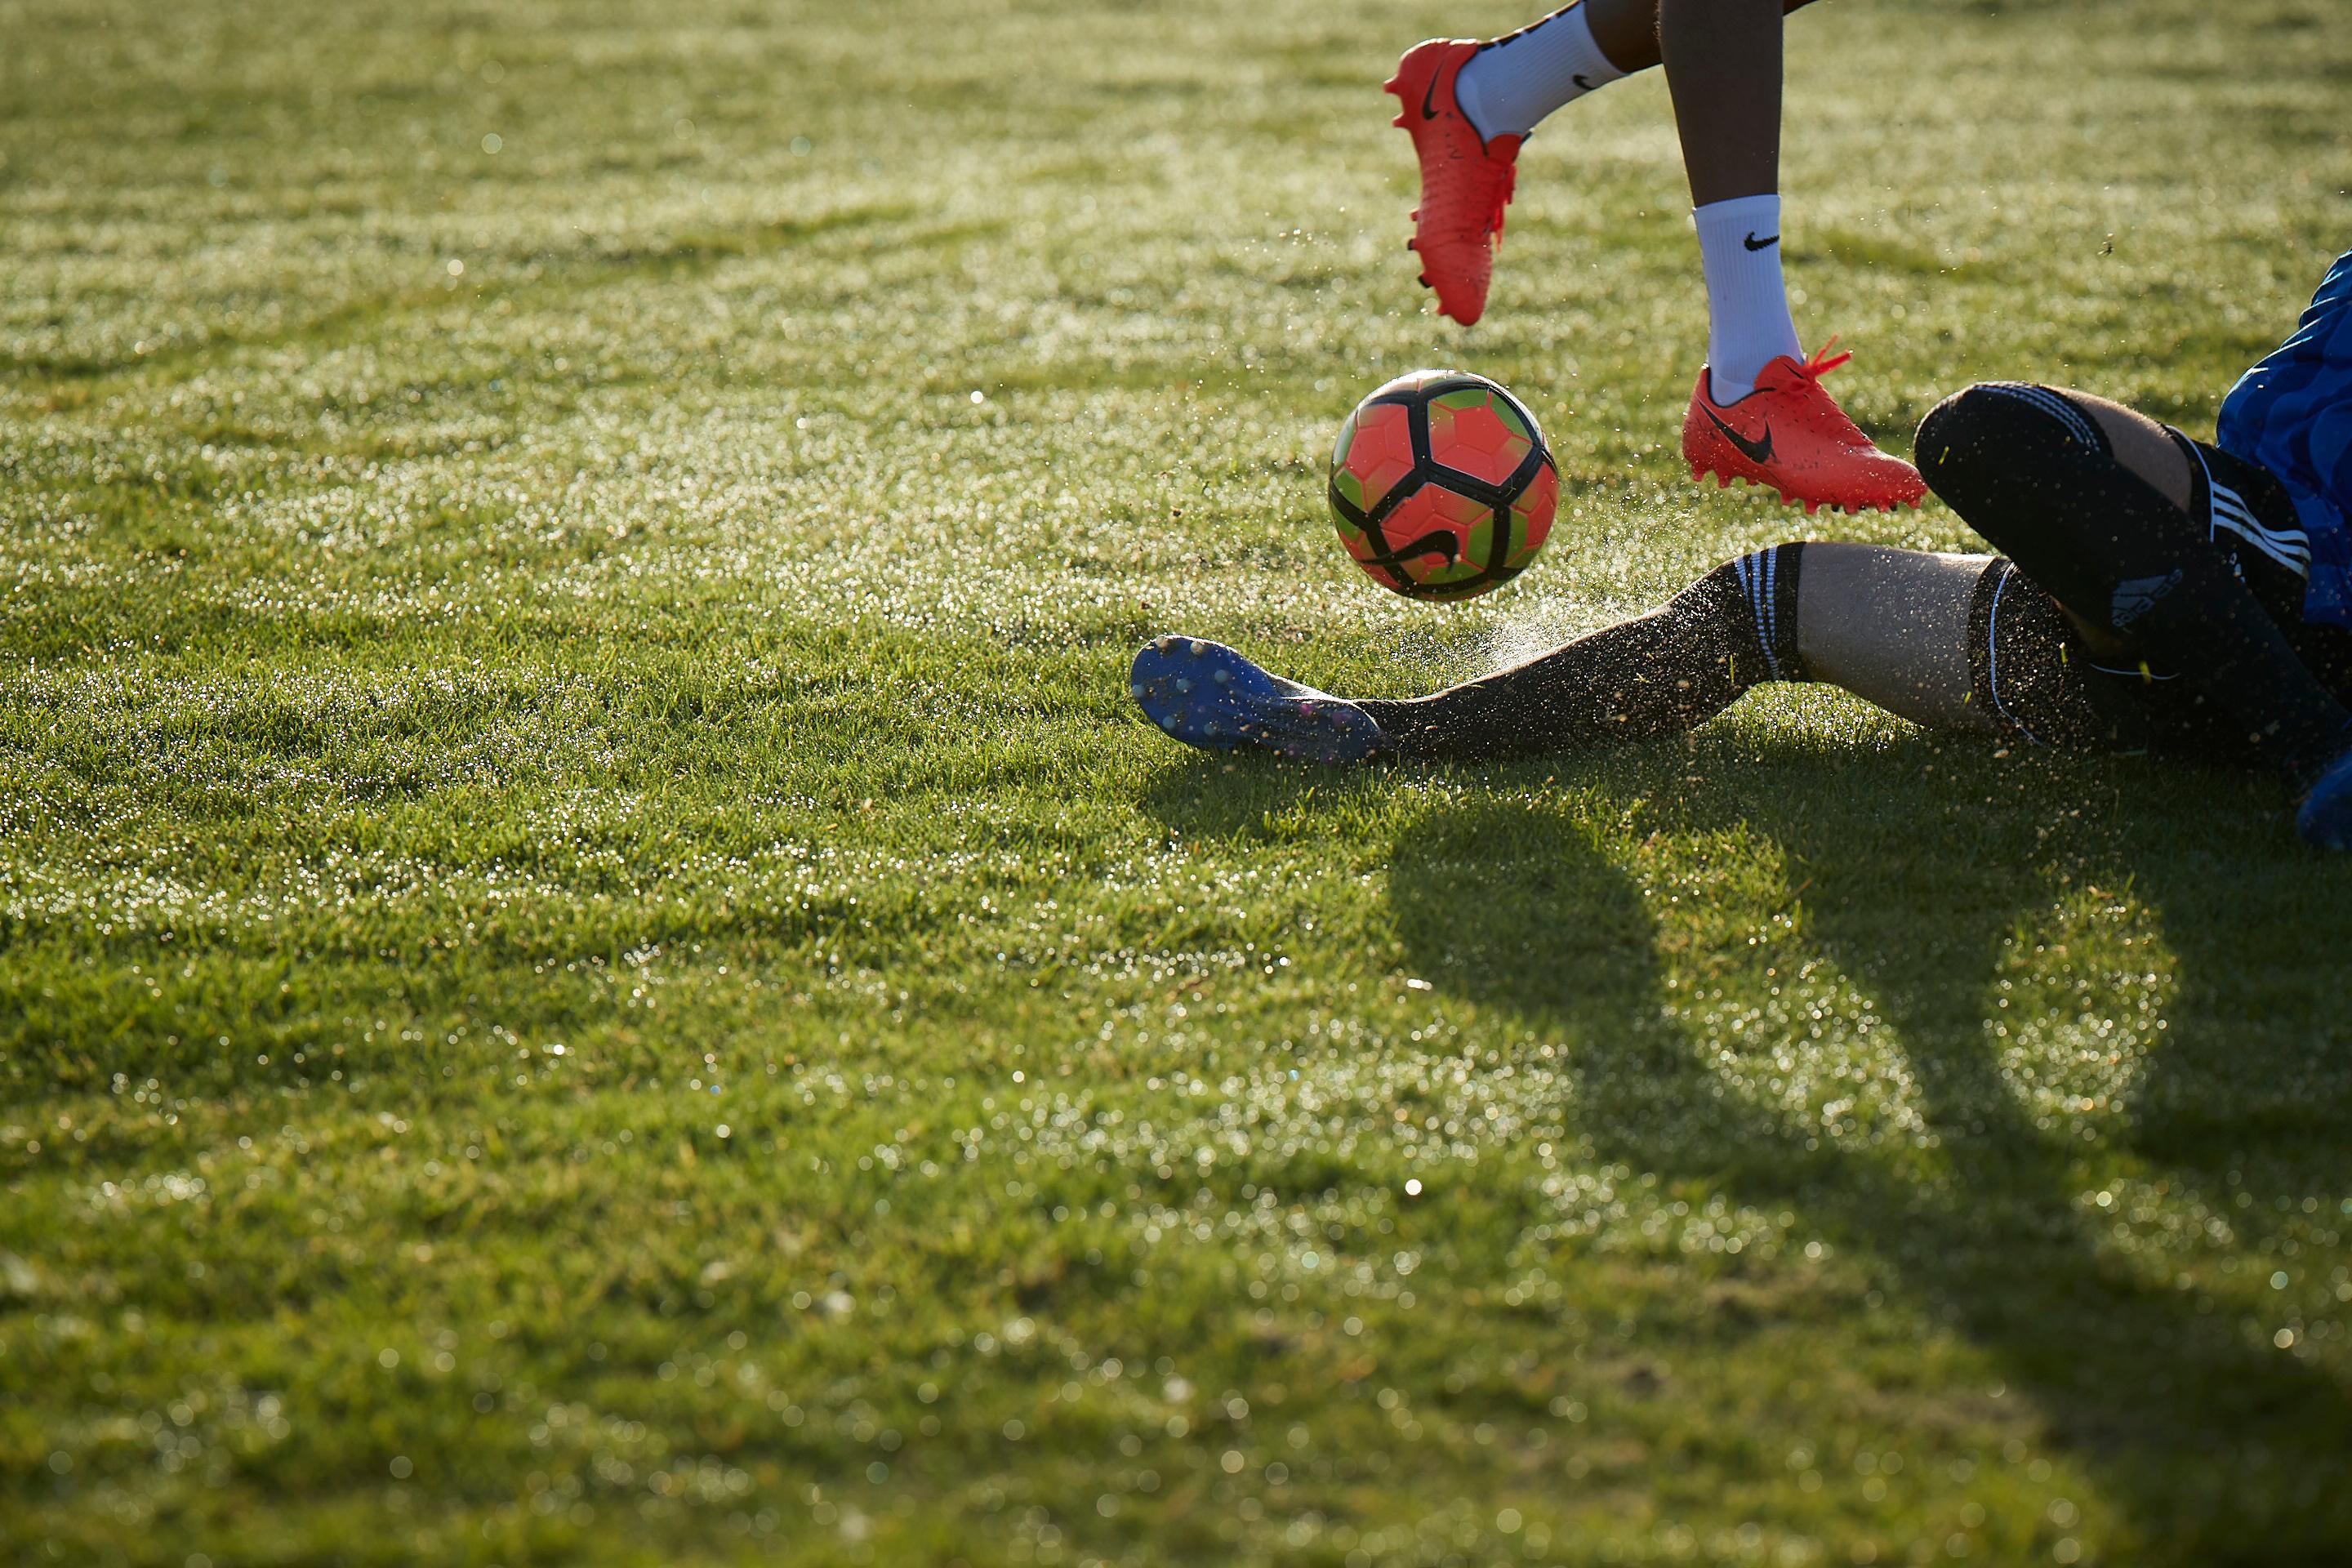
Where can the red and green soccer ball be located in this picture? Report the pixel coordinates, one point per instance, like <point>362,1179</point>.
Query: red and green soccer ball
<point>1441,485</point>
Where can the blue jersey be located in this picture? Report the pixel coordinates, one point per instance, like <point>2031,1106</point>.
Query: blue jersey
<point>2293,415</point>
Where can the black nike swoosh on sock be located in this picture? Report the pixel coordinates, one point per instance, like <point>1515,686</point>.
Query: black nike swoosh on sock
<point>1755,451</point>
<point>1752,243</point>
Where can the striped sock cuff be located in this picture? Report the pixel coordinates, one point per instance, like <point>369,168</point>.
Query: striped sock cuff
<point>1769,579</point>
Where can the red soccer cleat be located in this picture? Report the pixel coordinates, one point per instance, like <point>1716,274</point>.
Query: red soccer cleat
<point>1789,434</point>
<point>1465,180</point>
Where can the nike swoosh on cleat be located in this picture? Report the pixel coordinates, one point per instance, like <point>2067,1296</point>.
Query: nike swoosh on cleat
<point>1428,96</point>
<point>1755,451</point>
<point>1752,243</point>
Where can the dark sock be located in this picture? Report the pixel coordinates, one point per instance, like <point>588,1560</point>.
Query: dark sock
<point>1659,674</point>
<point>2033,473</point>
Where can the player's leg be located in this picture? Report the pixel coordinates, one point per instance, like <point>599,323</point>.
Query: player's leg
<point>1890,625</point>
<point>1723,68</point>
<point>1658,674</point>
<point>1758,412</point>
<point>1513,83</point>
<point>1468,105</point>
<point>1897,628</point>
<point>2092,501</point>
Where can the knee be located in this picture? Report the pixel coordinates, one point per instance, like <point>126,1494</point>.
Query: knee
<point>2006,414</point>
<point>1997,427</point>
<point>1942,422</point>
<point>1963,424</point>
<point>1952,437</point>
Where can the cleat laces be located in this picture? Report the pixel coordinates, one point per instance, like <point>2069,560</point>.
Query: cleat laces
<point>1502,199</point>
<point>1823,361</point>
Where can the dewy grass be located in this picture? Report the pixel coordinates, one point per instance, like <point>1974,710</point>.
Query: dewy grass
<point>596,968</point>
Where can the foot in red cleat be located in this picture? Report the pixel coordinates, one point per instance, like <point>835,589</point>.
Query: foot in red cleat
<point>1789,434</point>
<point>1466,179</point>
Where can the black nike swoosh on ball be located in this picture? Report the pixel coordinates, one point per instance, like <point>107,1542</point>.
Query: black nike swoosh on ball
<point>1755,451</point>
<point>1752,243</point>
<point>1440,542</point>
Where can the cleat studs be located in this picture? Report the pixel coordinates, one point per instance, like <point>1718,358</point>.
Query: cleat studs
<point>1138,690</point>
<point>1182,686</point>
<point>1199,648</point>
<point>1222,677</point>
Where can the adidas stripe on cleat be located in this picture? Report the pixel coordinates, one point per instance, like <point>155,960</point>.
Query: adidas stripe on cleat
<point>1206,695</point>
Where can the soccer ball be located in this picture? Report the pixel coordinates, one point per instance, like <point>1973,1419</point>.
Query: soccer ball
<point>1441,485</point>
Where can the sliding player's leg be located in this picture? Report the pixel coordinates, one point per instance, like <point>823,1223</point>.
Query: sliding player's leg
<point>2182,562</point>
<point>1658,674</point>
<point>1892,626</point>
<point>1469,105</point>
<point>1897,628</point>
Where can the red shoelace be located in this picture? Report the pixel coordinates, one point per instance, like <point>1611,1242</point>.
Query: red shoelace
<point>1823,361</point>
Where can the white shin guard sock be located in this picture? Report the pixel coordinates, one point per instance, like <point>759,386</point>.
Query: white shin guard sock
<point>1748,321</point>
<point>1516,80</point>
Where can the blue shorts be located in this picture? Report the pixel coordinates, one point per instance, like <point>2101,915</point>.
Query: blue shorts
<point>2292,413</point>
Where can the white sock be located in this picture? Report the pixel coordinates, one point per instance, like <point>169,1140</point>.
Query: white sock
<point>1748,321</point>
<point>1510,84</point>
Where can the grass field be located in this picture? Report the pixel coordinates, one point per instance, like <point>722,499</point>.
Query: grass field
<point>595,967</point>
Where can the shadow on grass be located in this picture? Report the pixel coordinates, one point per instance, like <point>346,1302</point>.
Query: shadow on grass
<point>1908,868</point>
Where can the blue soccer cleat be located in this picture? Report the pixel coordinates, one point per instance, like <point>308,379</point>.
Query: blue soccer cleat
<point>1206,695</point>
<point>2324,817</point>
